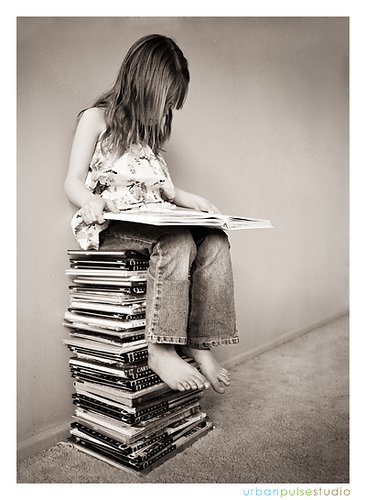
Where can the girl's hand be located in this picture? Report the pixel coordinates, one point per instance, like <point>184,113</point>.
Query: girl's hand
<point>199,203</point>
<point>92,210</point>
<point>190,200</point>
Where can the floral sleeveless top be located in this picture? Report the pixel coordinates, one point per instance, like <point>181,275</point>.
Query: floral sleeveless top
<point>138,178</point>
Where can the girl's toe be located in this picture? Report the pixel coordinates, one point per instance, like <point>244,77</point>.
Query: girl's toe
<point>218,387</point>
<point>199,383</point>
<point>192,384</point>
<point>225,380</point>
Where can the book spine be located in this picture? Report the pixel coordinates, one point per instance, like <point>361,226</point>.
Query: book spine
<point>127,267</point>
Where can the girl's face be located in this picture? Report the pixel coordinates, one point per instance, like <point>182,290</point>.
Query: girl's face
<point>153,119</point>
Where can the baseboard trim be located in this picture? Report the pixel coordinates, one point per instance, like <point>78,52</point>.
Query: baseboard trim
<point>283,339</point>
<point>52,435</point>
<point>43,440</point>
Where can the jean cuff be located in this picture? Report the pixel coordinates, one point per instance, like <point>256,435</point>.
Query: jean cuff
<point>162,339</point>
<point>207,344</point>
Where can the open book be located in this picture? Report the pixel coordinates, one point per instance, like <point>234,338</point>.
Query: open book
<point>187,217</point>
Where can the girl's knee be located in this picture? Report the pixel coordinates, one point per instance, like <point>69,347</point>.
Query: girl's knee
<point>218,240</point>
<point>177,244</point>
<point>179,240</point>
<point>215,248</point>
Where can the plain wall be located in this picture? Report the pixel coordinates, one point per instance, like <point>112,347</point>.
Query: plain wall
<point>264,133</point>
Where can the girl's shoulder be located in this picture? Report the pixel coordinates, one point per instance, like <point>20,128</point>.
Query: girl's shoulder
<point>94,119</point>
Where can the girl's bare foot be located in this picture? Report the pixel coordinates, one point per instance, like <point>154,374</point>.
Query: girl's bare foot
<point>173,370</point>
<point>216,374</point>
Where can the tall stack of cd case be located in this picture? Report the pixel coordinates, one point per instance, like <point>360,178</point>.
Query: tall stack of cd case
<point>124,413</point>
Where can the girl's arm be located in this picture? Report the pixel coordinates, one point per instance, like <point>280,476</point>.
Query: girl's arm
<point>190,200</point>
<point>90,126</point>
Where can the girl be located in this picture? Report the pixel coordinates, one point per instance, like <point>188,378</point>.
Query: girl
<point>115,165</point>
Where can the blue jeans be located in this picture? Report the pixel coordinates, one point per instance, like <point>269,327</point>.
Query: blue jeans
<point>190,292</point>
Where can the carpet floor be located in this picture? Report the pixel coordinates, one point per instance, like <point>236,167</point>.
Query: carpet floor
<point>284,419</point>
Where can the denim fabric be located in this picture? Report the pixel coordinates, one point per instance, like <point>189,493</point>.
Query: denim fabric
<point>190,293</point>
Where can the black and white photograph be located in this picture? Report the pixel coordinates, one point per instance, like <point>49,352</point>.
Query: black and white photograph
<point>183,251</point>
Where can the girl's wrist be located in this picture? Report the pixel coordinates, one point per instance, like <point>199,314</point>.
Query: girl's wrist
<point>88,198</point>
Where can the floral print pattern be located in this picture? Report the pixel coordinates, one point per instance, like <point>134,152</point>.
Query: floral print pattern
<point>139,178</point>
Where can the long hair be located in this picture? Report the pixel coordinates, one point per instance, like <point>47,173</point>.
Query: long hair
<point>153,80</point>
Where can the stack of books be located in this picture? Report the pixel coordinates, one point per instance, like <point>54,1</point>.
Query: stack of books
<point>124,413</point>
